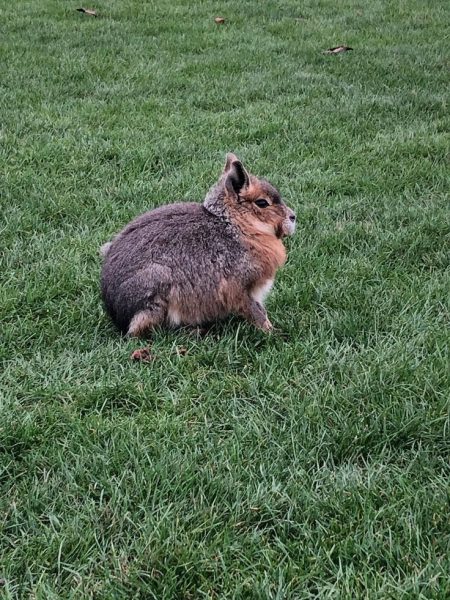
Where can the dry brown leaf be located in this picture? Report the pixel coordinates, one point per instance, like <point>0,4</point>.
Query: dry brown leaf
<point>337,50</point>
<point>219,20</point>
<point>143,355</point>
<point>88,11</point>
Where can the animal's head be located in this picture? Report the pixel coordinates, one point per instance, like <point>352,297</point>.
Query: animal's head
<point>253,204</point>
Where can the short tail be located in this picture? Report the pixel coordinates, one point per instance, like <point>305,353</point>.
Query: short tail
<point>104,249</point>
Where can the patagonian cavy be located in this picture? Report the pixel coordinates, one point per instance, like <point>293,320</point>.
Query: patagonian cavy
<point>191,264</point>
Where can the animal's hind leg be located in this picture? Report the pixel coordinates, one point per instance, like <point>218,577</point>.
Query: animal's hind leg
<point>145,320</point>
<point>147,292</point>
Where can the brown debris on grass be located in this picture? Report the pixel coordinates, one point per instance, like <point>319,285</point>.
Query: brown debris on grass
<point>88,11</point>
<point>337,50</point>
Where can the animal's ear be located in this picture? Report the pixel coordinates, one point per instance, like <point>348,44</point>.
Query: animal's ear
<point>230,158</point>
<point>236,177</point>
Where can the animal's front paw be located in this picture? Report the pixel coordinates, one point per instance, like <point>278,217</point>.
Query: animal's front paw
<point>267,326</point>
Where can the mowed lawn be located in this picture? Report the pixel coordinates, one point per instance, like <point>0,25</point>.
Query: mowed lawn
<point>313,463</point>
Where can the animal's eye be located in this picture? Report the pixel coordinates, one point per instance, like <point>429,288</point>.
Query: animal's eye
<point>261,203</point>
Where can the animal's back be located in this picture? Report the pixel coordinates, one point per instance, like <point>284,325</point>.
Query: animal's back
<point>184,232</point>
<point>163,255</point>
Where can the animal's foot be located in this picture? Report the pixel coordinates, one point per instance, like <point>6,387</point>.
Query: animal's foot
<point>267,326</point>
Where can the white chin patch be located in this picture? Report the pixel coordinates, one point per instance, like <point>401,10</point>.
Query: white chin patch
<point>289,227</point>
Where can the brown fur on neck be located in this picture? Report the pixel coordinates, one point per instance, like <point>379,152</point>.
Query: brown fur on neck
<point>268,250</point>
<point>261,230</point>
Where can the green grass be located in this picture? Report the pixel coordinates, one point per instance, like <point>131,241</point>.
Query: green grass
<point>310,465</point>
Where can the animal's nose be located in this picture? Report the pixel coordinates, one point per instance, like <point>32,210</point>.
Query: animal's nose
<point>292,217</point>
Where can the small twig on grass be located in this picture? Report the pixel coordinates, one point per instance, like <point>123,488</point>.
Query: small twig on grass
<point>337,50</point>
<point>88,11</point>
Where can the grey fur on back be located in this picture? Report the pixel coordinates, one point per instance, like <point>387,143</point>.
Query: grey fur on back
<point>181,246</point>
